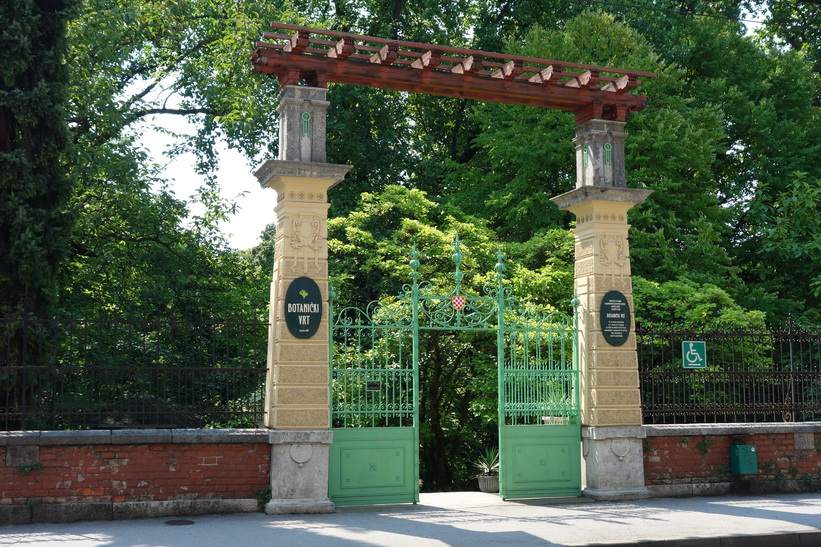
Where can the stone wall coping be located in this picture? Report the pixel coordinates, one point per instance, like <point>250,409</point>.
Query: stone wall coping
<point>685,430</point>
<point>318,436</point>
<point>135,436</point>
<point>219,436</point>
<point>598,433</point>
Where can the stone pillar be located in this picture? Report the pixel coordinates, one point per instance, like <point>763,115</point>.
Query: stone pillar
<point>297,385</point>
<point>610,401</point>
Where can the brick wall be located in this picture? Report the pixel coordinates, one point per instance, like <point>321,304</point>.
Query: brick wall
<point>692,460</point>
<point>41,470</point>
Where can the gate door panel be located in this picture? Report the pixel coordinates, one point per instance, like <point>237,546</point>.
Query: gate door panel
<point>374,457</point>
<point>539,429</point>
<point>373,465</point>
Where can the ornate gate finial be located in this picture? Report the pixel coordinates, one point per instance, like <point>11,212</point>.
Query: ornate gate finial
<point>457,260</point>
<point>414,264</point>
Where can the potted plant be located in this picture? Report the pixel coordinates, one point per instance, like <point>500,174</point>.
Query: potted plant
<point>488,466</point>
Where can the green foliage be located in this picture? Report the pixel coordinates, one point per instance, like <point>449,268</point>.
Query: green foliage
<point>26,468</point>
<point>33,138</point>
<point>263,497</point>
<point>789,247</point>
<point>688,305</point>
<point>703,446</point>
<point>488,462</point>
<point>34,187</point>
<point>797,26</point>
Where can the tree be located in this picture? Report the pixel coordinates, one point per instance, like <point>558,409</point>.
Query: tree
<point>34,187</point>
<point>796,24</point>
<point>526,156</point>
<point>137,248</point>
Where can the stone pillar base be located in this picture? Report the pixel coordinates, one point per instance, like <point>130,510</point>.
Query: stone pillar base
<point>614,463</point>
<point>299,472</point>
<point>299,507</point>
<point>617,495</point>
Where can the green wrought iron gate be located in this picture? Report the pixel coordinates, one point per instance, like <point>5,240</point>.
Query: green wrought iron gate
<point>374,457</point>
<point>539,426</point>
<point>375,391</point>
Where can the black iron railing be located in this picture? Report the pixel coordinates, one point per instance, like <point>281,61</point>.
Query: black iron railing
<point>121,373</point>
<point>772,376</point>
<point>64,373</point>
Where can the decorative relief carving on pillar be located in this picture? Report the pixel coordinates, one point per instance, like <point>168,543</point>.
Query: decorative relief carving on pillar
<point>306,196</point>
<point>584,268</point>
<point>296,268</point>
<point>620,448</point>
<point>583,251</point>
<point>612,217</point>
<point>612,251</point>
<point>305,232</point>
<point>301,453</point>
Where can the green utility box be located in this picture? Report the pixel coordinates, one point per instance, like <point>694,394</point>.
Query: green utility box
<point>743,459</point>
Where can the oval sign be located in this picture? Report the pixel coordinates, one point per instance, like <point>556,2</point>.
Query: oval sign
<point>303,307</point>
<point>614,318</point>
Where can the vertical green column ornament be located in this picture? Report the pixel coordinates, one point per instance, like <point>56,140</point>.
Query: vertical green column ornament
<point>457,261</point>
<point>306,124</point>
<point>586,155</point>
<point>608,153</point>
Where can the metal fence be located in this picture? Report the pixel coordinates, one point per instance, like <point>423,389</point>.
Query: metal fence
<point>772,376</point>
<point>121,373</point>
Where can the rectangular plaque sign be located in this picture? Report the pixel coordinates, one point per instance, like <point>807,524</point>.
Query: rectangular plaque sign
<point>614,318</point>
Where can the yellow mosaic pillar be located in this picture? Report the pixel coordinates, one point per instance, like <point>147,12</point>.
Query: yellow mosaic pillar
<point>297,384</point>
<point>610,399</point>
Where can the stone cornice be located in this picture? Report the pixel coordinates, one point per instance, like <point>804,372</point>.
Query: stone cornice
<point>600,193</point>
<point>299,169</point>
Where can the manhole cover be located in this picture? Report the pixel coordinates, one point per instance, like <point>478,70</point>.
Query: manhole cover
<point>179,522</point>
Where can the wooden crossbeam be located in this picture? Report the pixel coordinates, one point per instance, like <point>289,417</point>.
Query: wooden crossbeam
<point>547,76</point>
<point>511,69</point>
<point>470,65</point>
<point>318,57</point>
<point>428,61</point>
<point>387,55</point>
<point>580,81</point>
<point>342,49</point>
<point>621,85</point>
<point>298,42</point>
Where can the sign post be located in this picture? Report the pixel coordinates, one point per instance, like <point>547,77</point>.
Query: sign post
<point>694,354</point>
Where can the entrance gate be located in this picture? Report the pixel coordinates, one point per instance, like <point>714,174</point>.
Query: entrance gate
<point>375,391</point>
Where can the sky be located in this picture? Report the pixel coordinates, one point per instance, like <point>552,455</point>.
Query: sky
<point>235,178</point>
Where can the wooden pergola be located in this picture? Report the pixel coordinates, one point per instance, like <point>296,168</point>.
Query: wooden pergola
<point>317,57</point>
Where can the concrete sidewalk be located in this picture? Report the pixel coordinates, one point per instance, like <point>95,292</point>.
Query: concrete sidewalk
<point>469,519</point>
